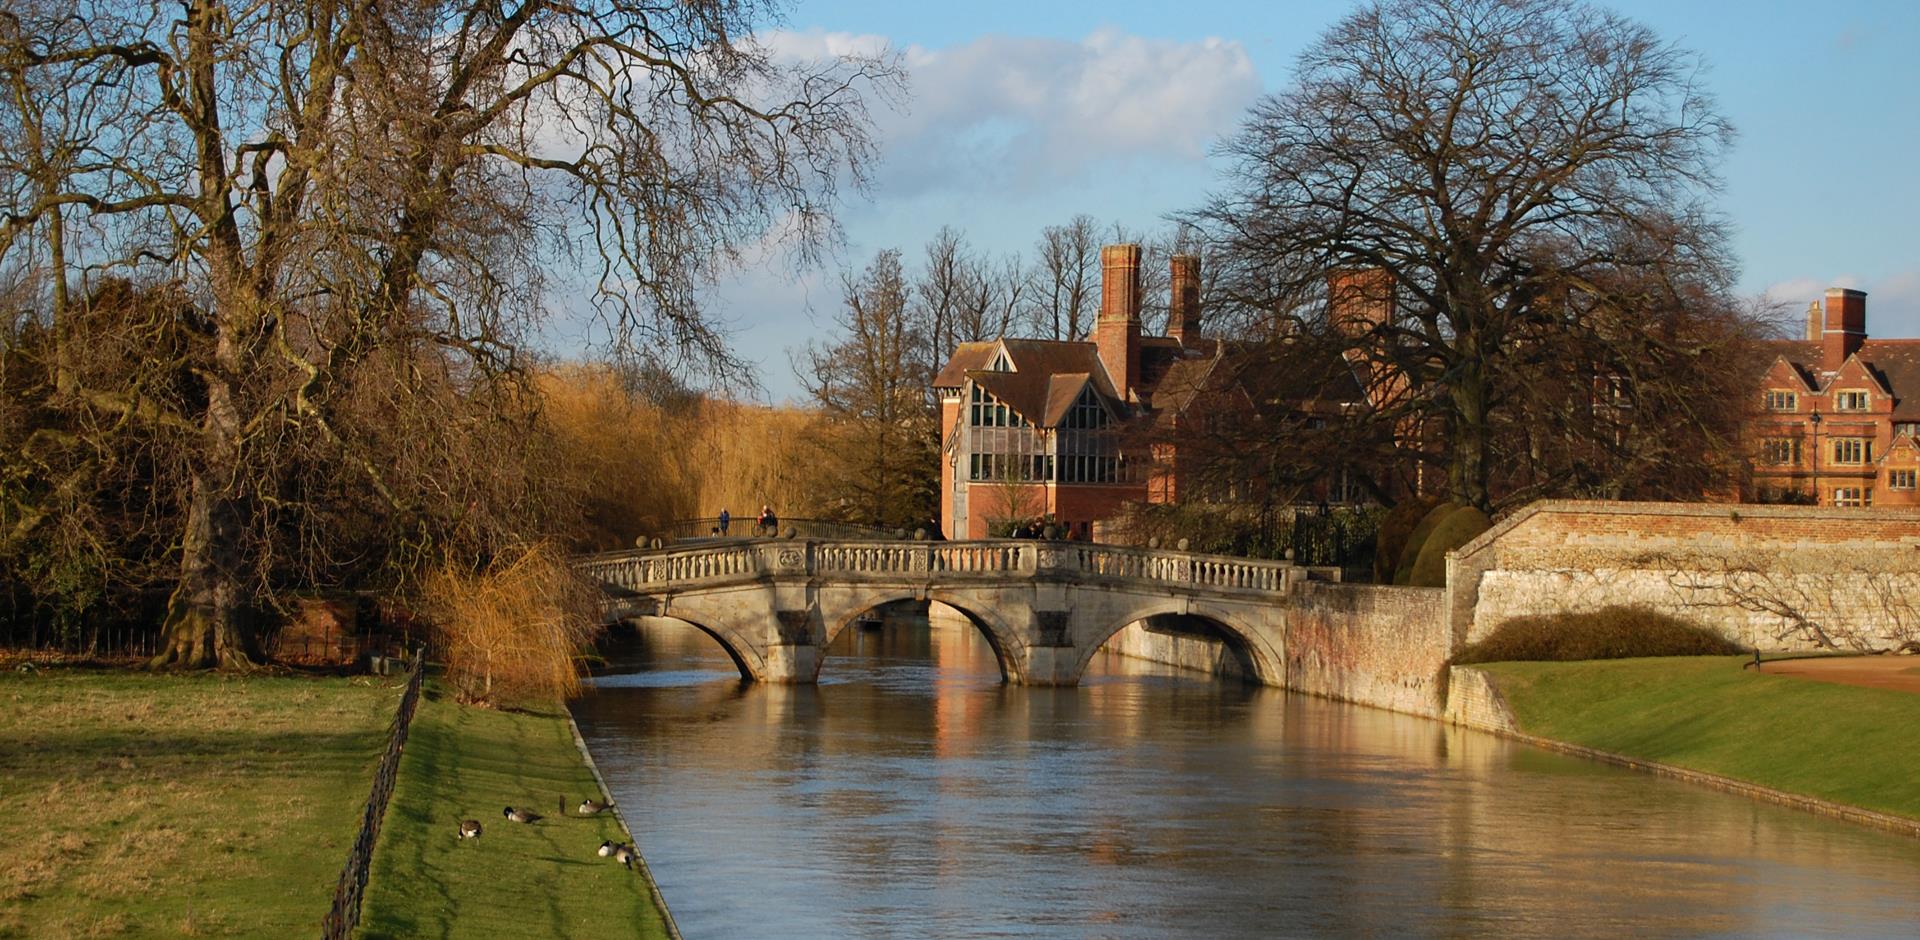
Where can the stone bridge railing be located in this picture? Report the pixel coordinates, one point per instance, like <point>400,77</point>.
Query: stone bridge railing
<point>669,570</point>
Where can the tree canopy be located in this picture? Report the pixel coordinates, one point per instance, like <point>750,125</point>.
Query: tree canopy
<point>1530,184</point>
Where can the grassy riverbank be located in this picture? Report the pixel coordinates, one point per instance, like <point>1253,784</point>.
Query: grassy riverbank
<point>180,804</point>
<point>1841,743</point>
<point>540,880</point>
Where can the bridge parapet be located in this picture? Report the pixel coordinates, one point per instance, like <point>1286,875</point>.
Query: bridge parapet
<point>996,560</point>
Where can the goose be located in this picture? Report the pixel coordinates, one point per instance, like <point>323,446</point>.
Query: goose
<point>594,807</point>
<point>520,815</point>
<point>606,848</point>
<point>624,854</point>
<point>470,829</point>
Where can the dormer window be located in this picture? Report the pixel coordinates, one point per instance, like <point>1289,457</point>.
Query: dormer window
<point>1001,363</point>
<point>1851,400</point>
<point>1778,400</point>
<point>1086,412</point>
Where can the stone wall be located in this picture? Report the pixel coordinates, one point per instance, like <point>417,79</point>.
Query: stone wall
<point>1190,651</point>
<point>1744,570</point>
<point>1474,701</point>
<point>1371,644</point>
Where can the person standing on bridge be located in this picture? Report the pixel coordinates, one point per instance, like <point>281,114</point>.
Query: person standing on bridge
<point>769,523</point>
<point>725,517</point>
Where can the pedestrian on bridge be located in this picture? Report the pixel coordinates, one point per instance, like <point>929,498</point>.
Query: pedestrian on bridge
<point>769,523</point>
<point>725,518</point>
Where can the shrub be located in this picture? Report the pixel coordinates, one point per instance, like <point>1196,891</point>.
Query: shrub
<point>514,633</point>
<point>1607,633</point>
<point>1456,528</point>
<point>1395,527</point>
<point>1410,552</point>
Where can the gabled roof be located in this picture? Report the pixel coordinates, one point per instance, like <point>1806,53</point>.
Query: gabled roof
<point>1894,363</point>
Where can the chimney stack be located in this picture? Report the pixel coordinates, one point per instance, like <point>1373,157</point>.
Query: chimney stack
<point>1814,318</point>
<point>1845,329</point>
<point>1117,333</point>
<point>1359,299</point>
<point>1183,306</point>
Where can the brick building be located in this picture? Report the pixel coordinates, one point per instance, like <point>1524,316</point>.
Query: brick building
<point>1840,413</point>
<point>1031,427</point>
<point>1034,428</point>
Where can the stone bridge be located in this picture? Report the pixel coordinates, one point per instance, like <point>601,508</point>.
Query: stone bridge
<point>1045,607</point>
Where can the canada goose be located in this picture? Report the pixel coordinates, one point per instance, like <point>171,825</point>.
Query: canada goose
<point>520,815</point>
<point>606,848</point>
<point>594,807</point>
<point>470,829</point>
<point>624,854</point>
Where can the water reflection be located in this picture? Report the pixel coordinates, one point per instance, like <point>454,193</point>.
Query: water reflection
<point>912,794</point>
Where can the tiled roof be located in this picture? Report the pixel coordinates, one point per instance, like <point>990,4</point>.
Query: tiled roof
<point>1895,362</point>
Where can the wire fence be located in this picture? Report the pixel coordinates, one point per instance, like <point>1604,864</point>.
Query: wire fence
<point>345,915</point>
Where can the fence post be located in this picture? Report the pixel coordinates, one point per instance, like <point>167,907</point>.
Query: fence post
<point>345,914</point>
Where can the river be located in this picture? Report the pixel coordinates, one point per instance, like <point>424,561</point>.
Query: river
<point>911,794</point>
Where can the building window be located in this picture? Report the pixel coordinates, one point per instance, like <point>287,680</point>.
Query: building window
<point>1906,429</point>
<point>1850,401</point>
<point>1852,450</point>
<point>1852,496</point>
<point>1001,363</point>
<point>1900,479</point>
<point>1780,450</point>
<point>1782,401</point>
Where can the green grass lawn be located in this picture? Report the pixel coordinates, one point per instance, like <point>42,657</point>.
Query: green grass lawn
<point>166,805</point>
<point>1842,743</point>
<point>540,880</point>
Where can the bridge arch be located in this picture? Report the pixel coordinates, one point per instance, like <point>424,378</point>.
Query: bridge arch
<point>1258,652</point>
<point>999,636</point>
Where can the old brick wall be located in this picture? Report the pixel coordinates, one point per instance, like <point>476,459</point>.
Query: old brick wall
<point>1740,569</point>
<point>1375,645</point>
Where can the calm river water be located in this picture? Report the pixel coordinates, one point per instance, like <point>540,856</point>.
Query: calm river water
<point>910,794</point>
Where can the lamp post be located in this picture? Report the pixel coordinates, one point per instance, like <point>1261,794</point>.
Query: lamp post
<point>1815,418</point>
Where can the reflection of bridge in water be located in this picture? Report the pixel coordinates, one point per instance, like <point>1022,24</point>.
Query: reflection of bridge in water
<point>1045,607</point>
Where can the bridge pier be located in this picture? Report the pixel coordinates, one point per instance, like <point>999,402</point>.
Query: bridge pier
<point>791,664</point>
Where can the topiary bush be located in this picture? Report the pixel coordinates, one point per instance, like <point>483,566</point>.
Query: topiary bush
<point>1455,529</point>
<point>1607,633</point>
<point>1410,552</point>
<point>1395,527</point>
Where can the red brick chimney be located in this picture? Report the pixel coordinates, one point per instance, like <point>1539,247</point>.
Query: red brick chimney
<point>1358,299</point>
<point>1117,332</point>
<point>1183,306</point>
<point>1846,327</point>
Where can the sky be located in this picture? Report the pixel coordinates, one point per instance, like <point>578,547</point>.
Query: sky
<point>1022,114</point>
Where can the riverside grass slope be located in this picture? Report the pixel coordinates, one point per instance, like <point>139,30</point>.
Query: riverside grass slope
<point>515,881</point>
<point>141,804</point>
<point>1841,743</point>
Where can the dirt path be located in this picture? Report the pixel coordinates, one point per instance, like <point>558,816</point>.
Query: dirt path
<point>1900,673</point>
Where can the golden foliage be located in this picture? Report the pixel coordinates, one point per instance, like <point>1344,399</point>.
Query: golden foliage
<point>516,632</point>
<point>636,466</point>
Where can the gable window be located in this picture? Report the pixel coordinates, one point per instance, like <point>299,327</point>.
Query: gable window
<point>1780,450</point>
<point>1001,363</point>
<point>1778,400</point>
<point>1906,429</point>
<point>1086,413</point>
<point>1900,479</point>
<point>1852,450</point>
<point>1852,496</point>
<point>1851,400</point>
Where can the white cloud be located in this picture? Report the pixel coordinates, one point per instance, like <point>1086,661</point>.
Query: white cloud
<point>1002,113</point>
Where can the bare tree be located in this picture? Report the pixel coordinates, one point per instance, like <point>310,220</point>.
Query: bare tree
<point>872,386</point>
<point>1066,279</point>
<point>1532,178</point>
<point>941,291</point>
<point>1834,599</point>
<point>361,201</point>
<point>990,298</point>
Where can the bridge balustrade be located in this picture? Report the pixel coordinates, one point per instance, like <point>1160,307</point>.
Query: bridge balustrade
<point>640,571</point>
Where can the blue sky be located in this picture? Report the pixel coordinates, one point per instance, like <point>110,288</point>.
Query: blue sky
<point>1025,113</point>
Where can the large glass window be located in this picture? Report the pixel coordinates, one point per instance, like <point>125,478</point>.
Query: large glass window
<point>1852,450</point>
<point>1779,400</point>
<point>1781,450</point>
<point>1852,400</point>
